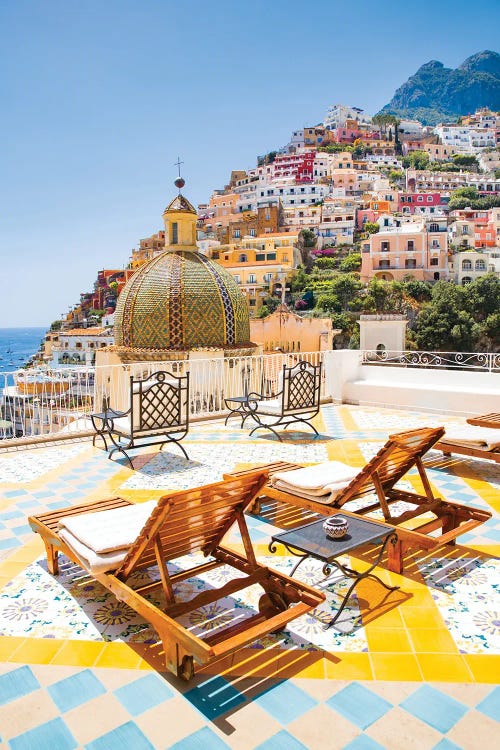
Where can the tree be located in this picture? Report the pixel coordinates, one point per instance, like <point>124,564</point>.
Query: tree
<point>371,227</point>
<point>351,263</point>
<point>329,303</point>
<point>444,324</point>
<point>420,291</point>
<point>346,287</point>
<point>416,160</point>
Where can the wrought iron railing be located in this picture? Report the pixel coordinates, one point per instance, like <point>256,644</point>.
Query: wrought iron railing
<point>479,361</point>
<point>57,402</point>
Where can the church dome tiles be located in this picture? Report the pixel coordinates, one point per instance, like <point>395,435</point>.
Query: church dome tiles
<point>181,300</point>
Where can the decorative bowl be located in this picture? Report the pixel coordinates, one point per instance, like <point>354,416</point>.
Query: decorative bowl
<point>336,527</point>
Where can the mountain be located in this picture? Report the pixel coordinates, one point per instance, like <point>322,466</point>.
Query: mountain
<point>436,93</point>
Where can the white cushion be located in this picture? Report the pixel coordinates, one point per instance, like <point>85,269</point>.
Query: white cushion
<point>472,436</point>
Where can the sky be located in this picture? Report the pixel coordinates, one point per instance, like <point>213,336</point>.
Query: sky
<point>99,98</point>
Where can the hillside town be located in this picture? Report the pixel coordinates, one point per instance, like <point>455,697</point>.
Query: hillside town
<point>376,198</point>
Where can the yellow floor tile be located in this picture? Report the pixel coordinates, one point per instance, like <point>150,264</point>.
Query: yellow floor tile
<point>444,667</point>
<point>390,619</point>
<point>36,650</point>
<point>118,655</point>
<point>8,646</point>
<point>395,667</point>
<point>484,667</point>
<point>78,653</point>
<point>348,667</point>
<point>434,641</point>
<point>422,617</point>
<point>388,640</point>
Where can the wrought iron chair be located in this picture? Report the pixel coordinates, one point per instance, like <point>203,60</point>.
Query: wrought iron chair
<point>296,401</point>
<point>159,408</point>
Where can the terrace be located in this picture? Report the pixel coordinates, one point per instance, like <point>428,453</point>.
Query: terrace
<point>416,668</point>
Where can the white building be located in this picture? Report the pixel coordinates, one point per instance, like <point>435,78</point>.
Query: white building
<point>79,345</point>
<point>469,265</point>
<point>466,138</point>
<point>339,113</point>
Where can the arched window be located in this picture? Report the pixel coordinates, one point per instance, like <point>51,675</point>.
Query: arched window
<point>242,259</point>
<point>480,265</point>
<point>466,280</point>
<point>381,347</point>
<point>466,265</point>
<point>434,228</point>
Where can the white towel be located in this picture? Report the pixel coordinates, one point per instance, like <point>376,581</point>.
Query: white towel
<point>109,530</point>
<point>321,479</point>
<point>473,436</point>
<point>89,559</point>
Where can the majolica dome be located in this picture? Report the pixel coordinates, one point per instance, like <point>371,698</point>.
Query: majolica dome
<point>181,300</point>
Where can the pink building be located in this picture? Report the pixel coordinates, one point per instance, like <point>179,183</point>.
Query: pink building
<point>410,203</point>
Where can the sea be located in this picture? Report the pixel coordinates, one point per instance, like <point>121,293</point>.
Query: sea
<point>17,345</point>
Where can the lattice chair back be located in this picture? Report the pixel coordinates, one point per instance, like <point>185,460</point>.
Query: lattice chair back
<point>159,403</point>
<point>301,388</point>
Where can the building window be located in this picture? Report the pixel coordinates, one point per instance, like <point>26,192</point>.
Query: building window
<point>260,256</point>
<point>175,233</point>
<point>385,246</point>
<point>411,246</point>
<point>466,265</point>
<point>271,256</point>
<point>236,233</point>
<point>252,279</point>
<point>480,265</point>
<point>466,280</point>
<point>383,264</point>
<point>410,263</point>
<point>252,233</point>
<point>434,261</point>
<point>434,228</point>
<point>420,198</point>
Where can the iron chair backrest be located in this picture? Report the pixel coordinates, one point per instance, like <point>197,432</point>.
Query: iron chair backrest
<point>300,388</point>
<point>159,403</point>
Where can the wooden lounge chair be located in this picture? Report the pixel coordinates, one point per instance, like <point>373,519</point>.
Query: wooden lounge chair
<point>298,400</point>
<point>181,523</point>
<point>401,452</point>
<point>485,449</point>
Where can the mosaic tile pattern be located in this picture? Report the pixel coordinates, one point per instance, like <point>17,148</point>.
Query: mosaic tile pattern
<point>417,669</point>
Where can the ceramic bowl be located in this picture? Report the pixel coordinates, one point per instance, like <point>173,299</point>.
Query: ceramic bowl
<point>336,527</point>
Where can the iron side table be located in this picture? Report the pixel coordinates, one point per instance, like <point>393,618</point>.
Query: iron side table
<point>311,540</point>
<point>102,417</point>
<point>240,409</point>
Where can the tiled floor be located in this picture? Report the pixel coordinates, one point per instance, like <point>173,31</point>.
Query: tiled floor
<point>416,668</point>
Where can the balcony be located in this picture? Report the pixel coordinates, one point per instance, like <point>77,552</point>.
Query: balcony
<point>434,639</point>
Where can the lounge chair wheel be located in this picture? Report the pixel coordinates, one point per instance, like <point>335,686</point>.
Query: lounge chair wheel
<point>186,669</point>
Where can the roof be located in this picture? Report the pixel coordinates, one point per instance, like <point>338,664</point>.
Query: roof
<point>84,332</point>
<point>180,203</point>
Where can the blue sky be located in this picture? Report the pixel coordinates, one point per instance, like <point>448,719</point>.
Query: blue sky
<point>99,97</point>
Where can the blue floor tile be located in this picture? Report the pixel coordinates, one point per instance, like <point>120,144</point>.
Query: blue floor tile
<point>21,530</point>
<point>54,734</point>
<point>434,707</point>
<point>203,739</point>
<point>282,741</point>
<point>8,515</point>
<point>126,736</point>
<point>75,690</point>
<point>363,742</point>
<point>15,493</point>
<point>9,543</point>
<point>359,705</point>
<point>491,705</point>
<point>285,702</point>
<point>214,697</point>
<point>17,683</point>
<point>144,693</point>
<point>445,744</point>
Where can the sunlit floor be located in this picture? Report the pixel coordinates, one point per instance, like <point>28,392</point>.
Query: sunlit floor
<point>415,668</point>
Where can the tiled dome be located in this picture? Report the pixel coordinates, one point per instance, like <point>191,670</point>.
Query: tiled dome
<point>181,300</point>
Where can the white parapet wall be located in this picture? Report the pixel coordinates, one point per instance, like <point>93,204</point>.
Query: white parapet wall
<point>455,391</point>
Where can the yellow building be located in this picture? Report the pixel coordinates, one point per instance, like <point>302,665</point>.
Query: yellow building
<point>258,264</point>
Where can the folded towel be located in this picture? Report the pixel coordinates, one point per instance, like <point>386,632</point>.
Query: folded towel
<point>320,479</point>
<point>473,437</point>
<point>109,530</point>
<point>90,560</point>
